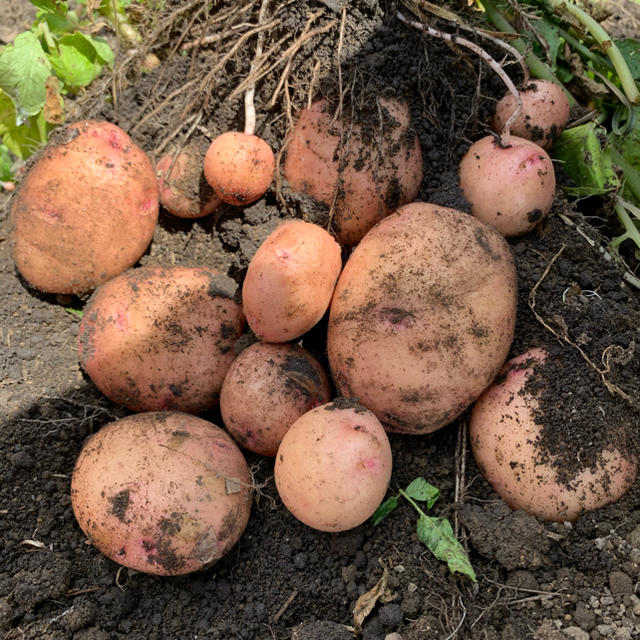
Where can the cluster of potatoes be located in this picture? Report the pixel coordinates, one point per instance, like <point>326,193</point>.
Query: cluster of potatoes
<point>421,318</point>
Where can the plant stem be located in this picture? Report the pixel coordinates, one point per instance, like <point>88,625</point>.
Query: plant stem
<point>412,502</point>
<point>631,175</point>
<point>631,231</point>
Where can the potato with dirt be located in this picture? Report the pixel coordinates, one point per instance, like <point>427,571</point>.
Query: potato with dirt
<point>422,317</point>
<point>165,493</point>
<point>86,210</point>
<point>161,337</point>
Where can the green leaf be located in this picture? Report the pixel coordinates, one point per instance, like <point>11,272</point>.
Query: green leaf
<point>548,31</point>
<point>421,490</point>
<point>437,535</point>
<point>78,313</point>
<point>630,50</point>
<point>103,51</point>
<point>75,62</point>
<point>5,164</point>
<point>585,157</point>
<point>21,139</point>
<point>384,510</point>
<point>24,70</point>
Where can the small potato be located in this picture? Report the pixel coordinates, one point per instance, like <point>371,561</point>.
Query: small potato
<point>504,430</point>
<point>161,338</point>
<point>422,317</point>
<point>267,388</point>
<point>362,171</point>
<point>333,466</point>
<point>184,192</point>
<point>290,281</point>
<point>544,115</point>
<point>162,492</point>
<point>86,210</point>
<point>511,188</point>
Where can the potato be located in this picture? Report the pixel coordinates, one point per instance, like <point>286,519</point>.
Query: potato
<point>504,430</point>
<point>290,281</point>
<point>162,492</point>
<point>267,388</point>
<point>422,317</point>
<point>333,466</point>
<point>86,210</point>
<point>511,188</point>
<point>544,115</point>
<point>361,171</point>
<point>184,192</point>
<point>161,338</point>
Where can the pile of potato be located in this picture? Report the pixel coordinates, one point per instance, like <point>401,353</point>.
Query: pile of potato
<point>421,318</point>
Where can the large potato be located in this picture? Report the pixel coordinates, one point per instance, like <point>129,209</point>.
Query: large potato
<point>162,492</point>
<point>361,171</point>
<point>86,210</point>
<point>161,338</point>
<point>422,316</point>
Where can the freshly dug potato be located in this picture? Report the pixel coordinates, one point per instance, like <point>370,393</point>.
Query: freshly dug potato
<point>184,192</point>
<point>290,281</point>
<point>267,388</point>
<point>422,317</point>
<point>504,430</point>
<point>162,492</point>
<point>161,338</point>
<point>333,466</point>
<point>362,172</point>
<point>544,115</point>
<point>511,188</point>
<point>86,210</point>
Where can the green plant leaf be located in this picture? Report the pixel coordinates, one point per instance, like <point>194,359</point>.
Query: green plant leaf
<point>5,164</point>
<point>630,50</point>
<point>103,51</point>
<point>437,535</point>
<point>384,510</point>
<point>21,139</point>
<point>24,70</point>
<point>75,61</point>
<point>421,490</point>
<point>548,31</point>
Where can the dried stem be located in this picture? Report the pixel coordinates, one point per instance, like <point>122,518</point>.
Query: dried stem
<point>249,106</point>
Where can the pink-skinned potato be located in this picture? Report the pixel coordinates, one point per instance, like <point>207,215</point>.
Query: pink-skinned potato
<point>165,493</point>
<point>362,172</point>
<point>86,210</point>
<point>267,388</point>
<point>509,187</point>
<point>290,281</point>
<point>161,338</point>
<point>422,317</point>
<point>333,466</point>
<point>504,430</point>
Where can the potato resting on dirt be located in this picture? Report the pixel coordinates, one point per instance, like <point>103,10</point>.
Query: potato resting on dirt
<point>86,210</point>
<point>290,281</point>
<point>362,172</point>
<point>333,466</point>
<point>422,317</point>
<point>505,429</point>
<point>161,337</point>
<point>162,492</point>
<point>267,388</point>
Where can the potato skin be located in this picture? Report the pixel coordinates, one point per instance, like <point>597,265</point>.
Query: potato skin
<point>503,433</point>
<point>333,466</point>
<point>267,388</point>
<point>290,281</point>
<point>86,210</point>
<point>160,338</point>
<point>422,316</point>
<point>370,177</point>
<point>162,492</point>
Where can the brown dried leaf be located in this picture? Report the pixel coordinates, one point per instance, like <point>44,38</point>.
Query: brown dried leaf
<point>367,601</point>
<point>53,109</point>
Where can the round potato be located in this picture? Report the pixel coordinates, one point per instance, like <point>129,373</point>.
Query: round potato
<point>161,338</point>
<point>267,388</point>
<point>422,316</point>
<point>162,492</point>
<point>333,466</point>
<point>86,210</point>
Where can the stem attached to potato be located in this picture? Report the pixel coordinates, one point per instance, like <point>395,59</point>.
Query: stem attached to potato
<point>249,106</point>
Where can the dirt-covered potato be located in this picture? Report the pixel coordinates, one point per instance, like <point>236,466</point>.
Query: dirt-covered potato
<point>162,492</point>
<point>360,171</point>
<point>333,466</point>
<point>422,317</point>
<point>290,281</point>
<point>267,388</point>
<point>505,429</point>
<point>161,337</point>
<point>86,210</point>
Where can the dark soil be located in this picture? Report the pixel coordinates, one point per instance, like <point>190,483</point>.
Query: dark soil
<point>284,580</point>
